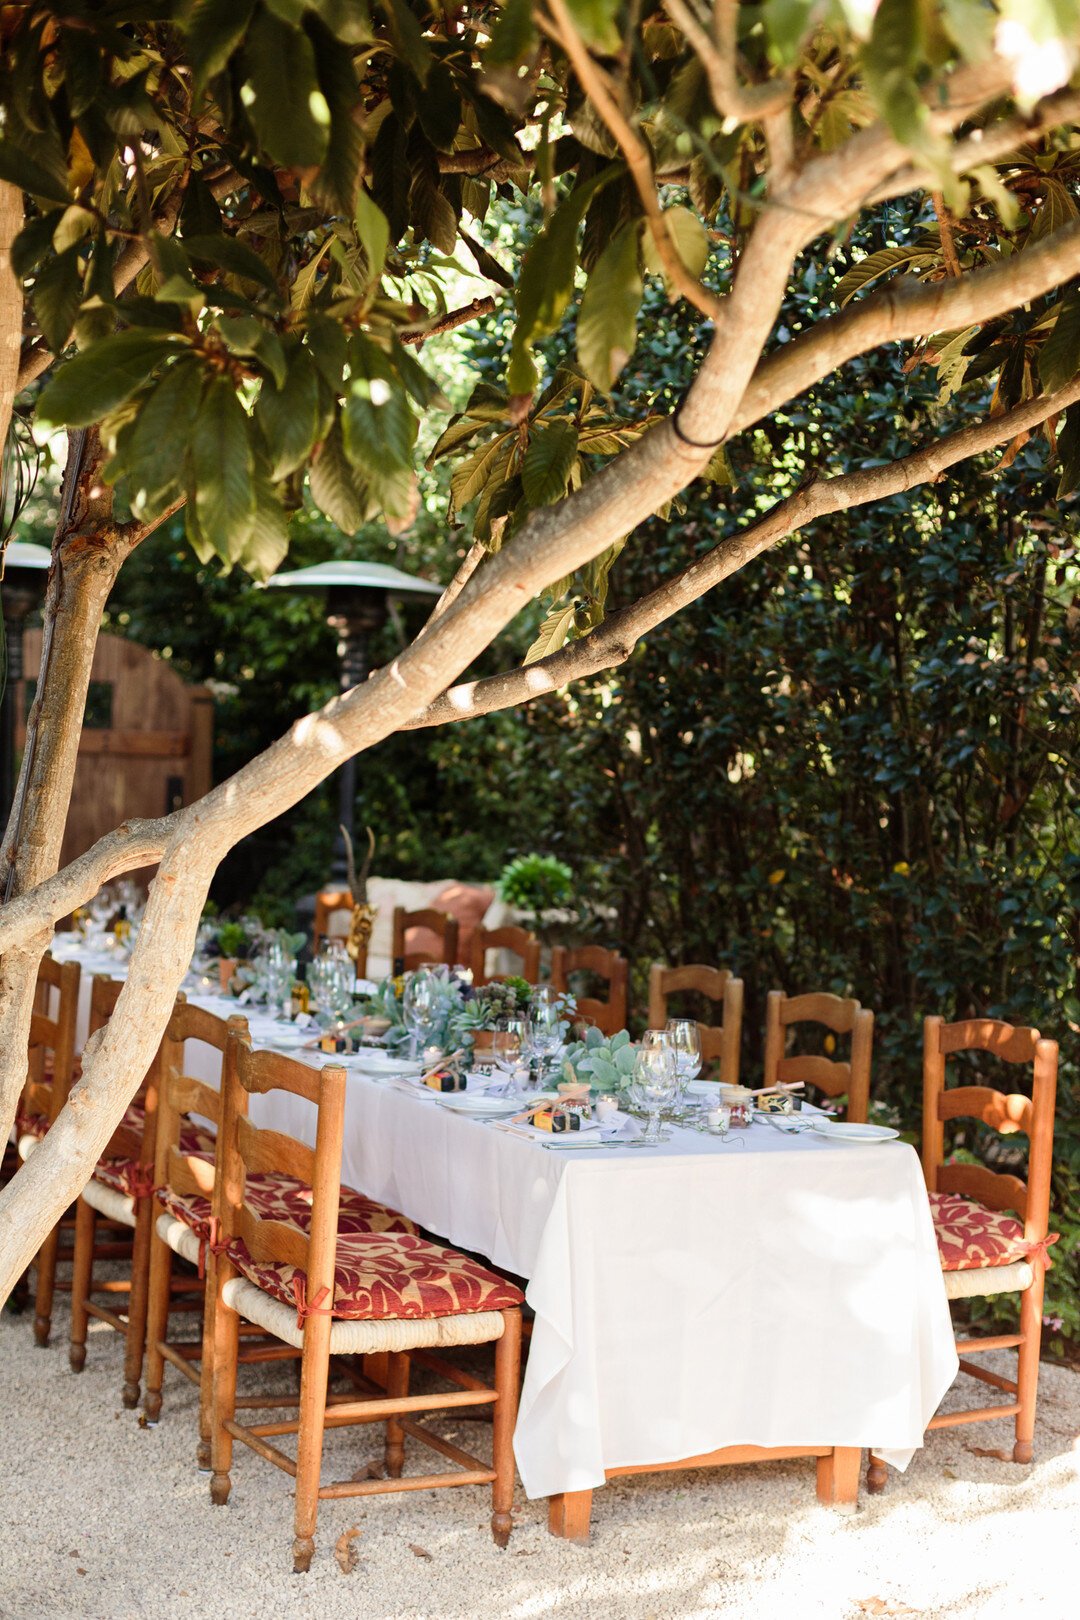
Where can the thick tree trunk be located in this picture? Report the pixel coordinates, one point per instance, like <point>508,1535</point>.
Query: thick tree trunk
<point>88,549</point>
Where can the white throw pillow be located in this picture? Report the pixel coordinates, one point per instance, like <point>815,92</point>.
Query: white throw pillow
<point>384,894</point>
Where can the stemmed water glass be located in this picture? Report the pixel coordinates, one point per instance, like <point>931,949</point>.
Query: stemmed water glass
<point>507,1047</point>
<point>419,1008</point>
<point>684,1038</point>
<point>543,1028</point>
<point>654,1083</point>
<point>280,971</point>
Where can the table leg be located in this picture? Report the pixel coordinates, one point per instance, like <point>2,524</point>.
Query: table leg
<point>838,1478</point>
<point>568,1515</point>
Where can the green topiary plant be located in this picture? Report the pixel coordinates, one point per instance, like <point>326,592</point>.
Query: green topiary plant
<point>536,883</point>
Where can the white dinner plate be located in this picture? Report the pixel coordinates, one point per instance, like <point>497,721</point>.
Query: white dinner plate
<point>379,1064</point>
<point>840,1130</point>
<point>466,1102</point>
<point>702,1088</point>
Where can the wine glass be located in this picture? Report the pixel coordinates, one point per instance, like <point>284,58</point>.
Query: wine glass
<point>654,1083</point>
<point>280,971</point>
<point>684,1038</point>
<point>507,1046</point>
<point>419,1008</point>
<point>544,1027</point>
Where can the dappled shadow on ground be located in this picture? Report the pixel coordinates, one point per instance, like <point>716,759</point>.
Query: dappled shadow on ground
<point>105,1519</point>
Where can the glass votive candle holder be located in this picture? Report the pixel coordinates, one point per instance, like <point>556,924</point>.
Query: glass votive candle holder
<point>605,1108</point>
<point>739,1100</point>
<point>718,1120</point>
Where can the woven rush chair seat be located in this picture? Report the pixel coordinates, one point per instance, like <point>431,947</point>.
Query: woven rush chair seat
<point>278,1197</point>
<point>380,1276</point>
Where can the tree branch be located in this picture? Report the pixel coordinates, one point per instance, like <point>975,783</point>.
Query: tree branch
<point>719,59</point>
<point>11,303</point>
<point>907,309</point>
<point>613,642</point>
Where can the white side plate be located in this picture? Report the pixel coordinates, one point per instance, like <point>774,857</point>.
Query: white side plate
<point>839,1130</point>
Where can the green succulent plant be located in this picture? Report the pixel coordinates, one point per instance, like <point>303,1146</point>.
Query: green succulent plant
<point>607,1064</point>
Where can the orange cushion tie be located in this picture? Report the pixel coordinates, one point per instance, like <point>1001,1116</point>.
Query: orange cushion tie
<point>303,1309</point>
<point>1037,1252</point>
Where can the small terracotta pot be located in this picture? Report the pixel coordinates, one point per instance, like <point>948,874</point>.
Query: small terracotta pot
<point>226,968</point>
<point>483,1043</point>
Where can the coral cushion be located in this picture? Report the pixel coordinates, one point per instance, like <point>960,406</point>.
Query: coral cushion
<point>970,1236</point>
<point>279,1197</point>
<point>387,1275</point>
<point>463,901</point>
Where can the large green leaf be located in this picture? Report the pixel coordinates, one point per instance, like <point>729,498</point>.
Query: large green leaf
<point>156,454</point>
<point>373,229</point>
<point>1058,208</point>
<point>288,417</point>
<point>95,382</point>
<point>349,20</point>
<point>607,322</point>
<point>268,542</point>
<point>553,633</point>
<point>545,470</point>
<point>596,22</point>
<point>913,255</point>
<point>214,30</point>
<point>58,289</point>
<point>547,280</point>
<point>222,468</point>
<point>513,35</point>
<point>690,241</point>
<point>19,169</point>
<point>284,102</point>
<point>337,80</point>
<point>379,426</point>
<point>1059,359</point>
<point>226,253</point>
<point>335,487</point>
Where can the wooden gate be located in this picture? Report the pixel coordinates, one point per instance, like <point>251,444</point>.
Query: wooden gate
<point>147,740</point>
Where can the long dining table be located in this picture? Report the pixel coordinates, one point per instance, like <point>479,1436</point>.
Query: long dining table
<point>707,1300</point>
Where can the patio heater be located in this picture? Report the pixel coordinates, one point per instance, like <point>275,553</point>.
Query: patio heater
<point>357,598</point>
<point>26,569</point>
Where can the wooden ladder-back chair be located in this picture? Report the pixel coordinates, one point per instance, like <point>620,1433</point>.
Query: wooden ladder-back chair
<point>119,1191</point>
<point>439,923</point>
<point>720,1043</point>
<point>839,1016</point>
<point>984,1250</point>
<point>184,1173</point>
<point>510,938</point>
<point>330,1294</point>
<point>51,1067</point>
<point>609,1016</point>
<point>328,904</point>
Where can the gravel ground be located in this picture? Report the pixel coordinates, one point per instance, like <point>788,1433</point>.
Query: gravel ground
<point>106,1521</point>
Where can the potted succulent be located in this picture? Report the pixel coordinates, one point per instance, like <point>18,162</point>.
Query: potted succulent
<point>606,1063</point>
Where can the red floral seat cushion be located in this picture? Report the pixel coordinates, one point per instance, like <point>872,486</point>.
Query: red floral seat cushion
<point>283,1198</point>
<point>35,1125</point>
<point>969,1236</point>
<point>387,1275</point>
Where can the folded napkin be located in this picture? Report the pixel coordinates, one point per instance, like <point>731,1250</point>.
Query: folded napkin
<point>619,1127</point>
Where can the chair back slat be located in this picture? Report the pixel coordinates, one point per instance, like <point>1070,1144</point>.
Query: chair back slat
<point>181,1094</point>
<point>1014,1043</point>
<point>242,1144</point>
<point>1005,1112</point>
<point>720,1043</point>
<point>609,1016</point>
<point>263,1150</point>
<point>50,1058</point>
<point>127,1142</point>
<point>272,1240</point>
<point>993,1188</point>
<point>840,1016</point>
<point>437,922</point>
<point>511,938</point>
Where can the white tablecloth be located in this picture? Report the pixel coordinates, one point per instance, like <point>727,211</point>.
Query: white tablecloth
<point>781,1292</point>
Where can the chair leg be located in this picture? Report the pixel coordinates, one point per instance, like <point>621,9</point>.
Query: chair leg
<point>82,1277</point>
<point>206,1368</point>
<point>507,1377</point>
<point>397,1386</point>
<point>135,1334</point>
<point>157,1323</point>
<point>313,1380</point>
<point>877,1475</point>
<point>46,1281</point>
<point>226,1350</point>
<point>1027,1370</point>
